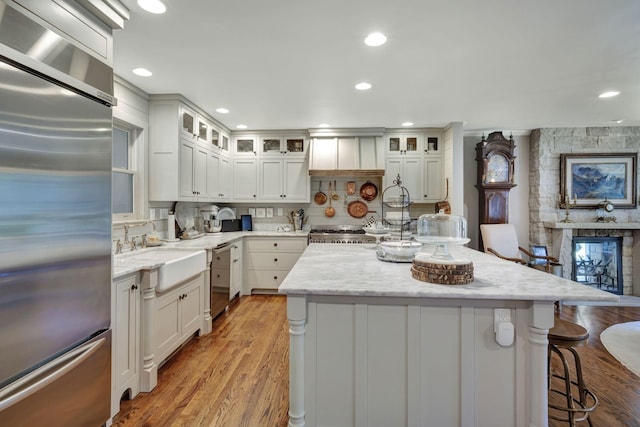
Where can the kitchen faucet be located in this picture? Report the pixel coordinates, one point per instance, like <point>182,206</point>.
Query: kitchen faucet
<point>126,233</point>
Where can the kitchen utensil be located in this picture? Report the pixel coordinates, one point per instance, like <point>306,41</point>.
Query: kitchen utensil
<point>335,196</point>
<point>444,205</point>
<point>329,211</point>
<point>351,188</point>
<point>320,198</point>
<point>358,209</point>
<point>368,191</point>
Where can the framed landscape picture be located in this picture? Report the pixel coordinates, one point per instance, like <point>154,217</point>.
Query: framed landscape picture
<point>587,179</point>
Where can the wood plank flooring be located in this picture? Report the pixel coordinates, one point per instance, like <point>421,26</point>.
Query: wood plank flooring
<point>238,374</point>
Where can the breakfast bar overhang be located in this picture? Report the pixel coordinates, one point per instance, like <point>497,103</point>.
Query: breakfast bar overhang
<point>371,346</point>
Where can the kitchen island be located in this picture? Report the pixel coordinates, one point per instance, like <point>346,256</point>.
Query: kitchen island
<point>371,346</point>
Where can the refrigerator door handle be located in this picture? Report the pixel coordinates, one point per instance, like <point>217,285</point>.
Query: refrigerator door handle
<point>41,377</point>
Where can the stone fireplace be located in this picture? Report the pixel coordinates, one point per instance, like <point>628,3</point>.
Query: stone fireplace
<point>563,235</point>
<point>545,226</point>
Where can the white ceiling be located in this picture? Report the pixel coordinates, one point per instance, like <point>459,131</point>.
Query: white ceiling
<point>292,64</point>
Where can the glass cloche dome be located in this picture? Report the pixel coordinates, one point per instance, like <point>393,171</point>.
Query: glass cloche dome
<point>442,229</point>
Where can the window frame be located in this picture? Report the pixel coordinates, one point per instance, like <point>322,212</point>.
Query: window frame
<point>133,168</point>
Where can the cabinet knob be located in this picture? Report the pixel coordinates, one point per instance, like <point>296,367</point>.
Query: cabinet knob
<point>425,196</point>
<point>275,244</point>
<point>134,287</point>
<point>284,195</point>
<point>275,260</point>
<point>275,277</point>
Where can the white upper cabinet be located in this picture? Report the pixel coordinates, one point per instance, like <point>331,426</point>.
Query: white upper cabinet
<point>410,171</point>
<point>404,144</point>
<point>245,180</point>
<point>283,180</point>
<point>193,171</point>
<point>432,185</point>
<point>193,125</point>
<point>433,143</point>
<point>277,146</point>
<point>245,146</point>
<point>180,144</point>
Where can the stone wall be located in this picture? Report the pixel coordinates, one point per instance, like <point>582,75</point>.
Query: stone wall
<point>546,145</point>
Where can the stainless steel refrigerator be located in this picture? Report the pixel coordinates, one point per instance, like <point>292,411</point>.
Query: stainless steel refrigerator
<point>55,235</point>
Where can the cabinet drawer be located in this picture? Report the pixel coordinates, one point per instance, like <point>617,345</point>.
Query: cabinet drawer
<point>265,279</point>
<point>282,260</point>
<point>220,277</point>
<point>277,245</point>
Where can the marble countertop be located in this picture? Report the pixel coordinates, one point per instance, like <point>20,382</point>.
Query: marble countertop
<point>335,269</point>
<point>122,266</point>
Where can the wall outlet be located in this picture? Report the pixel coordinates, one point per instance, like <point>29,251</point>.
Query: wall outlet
<point>279,211</point>
<point>152,214</point>
<point>500,315</point>
<point>252,212</point>
<point>269,212</point>
<point>164,213</point>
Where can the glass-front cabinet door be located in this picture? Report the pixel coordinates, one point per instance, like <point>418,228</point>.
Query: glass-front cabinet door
<point>403,144</point>
<point>214,137</point>
<point>188,122</point>
<point>270,145</point>
<point>203,131</point>
<point>295,145</point>
<point>244,146</point>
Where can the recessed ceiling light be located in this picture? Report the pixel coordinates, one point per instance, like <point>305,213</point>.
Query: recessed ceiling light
<point>407,124</point>
<point>609,94</point>
<point>222,110</point>
<point>152,6</point>
<point>241,126</point>
<point>363,86</point>
<point>324,125</point>
<point>617,121</point>
<point>375,39</point>
<point>142,72</point>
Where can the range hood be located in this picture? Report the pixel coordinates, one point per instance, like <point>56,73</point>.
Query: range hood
<point>346,156</point>
<point>346,172</point>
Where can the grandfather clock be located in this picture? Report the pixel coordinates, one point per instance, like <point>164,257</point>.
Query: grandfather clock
<point>495,158</point>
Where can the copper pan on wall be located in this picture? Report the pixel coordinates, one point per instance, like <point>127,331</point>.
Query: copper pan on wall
<point>368,191</point>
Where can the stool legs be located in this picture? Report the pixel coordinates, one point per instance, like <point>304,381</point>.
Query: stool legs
<point>577,406</point>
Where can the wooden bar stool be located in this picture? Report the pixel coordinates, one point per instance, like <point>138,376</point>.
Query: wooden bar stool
<point>580,401</point>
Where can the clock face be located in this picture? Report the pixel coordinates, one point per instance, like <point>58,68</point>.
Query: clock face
<point>497,169</point>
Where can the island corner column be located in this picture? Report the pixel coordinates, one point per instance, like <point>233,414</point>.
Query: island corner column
<point>297,316</point>
<point>540,321</point>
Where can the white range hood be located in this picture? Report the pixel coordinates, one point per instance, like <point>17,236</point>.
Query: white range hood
<point>346,155</point>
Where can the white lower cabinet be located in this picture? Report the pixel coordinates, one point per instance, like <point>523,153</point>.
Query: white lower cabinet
<point>177,316</point>
<point>268,260</point>
<point>125,351</point>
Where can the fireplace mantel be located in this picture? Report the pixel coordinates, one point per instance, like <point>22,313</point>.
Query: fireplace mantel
<point>594,225</point>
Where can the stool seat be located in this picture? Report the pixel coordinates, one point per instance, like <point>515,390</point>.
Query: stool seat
<point>565,333</point>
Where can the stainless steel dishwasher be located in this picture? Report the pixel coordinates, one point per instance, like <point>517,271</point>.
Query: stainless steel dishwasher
<point>220,279</point>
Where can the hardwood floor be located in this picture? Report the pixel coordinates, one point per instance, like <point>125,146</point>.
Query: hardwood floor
<point>238,374</point>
